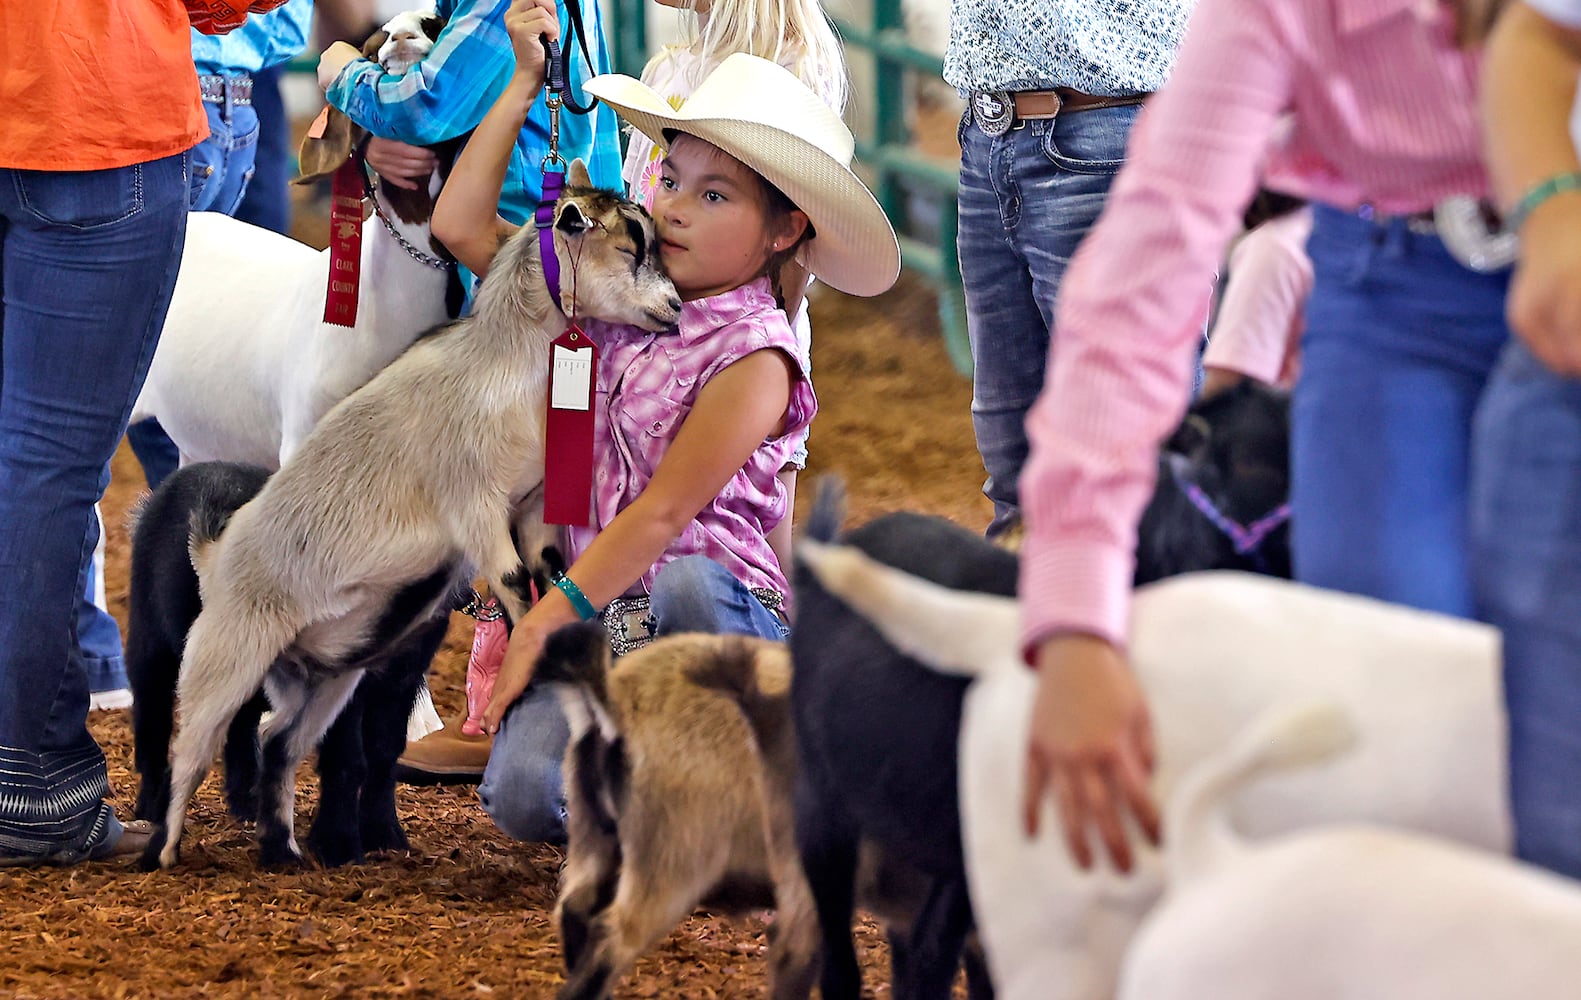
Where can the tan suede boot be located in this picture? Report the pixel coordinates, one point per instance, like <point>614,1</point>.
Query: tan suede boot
<point>458,753</point>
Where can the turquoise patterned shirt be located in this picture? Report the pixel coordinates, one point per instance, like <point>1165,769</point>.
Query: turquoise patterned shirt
<point>265,40</point>
<point>1105,47</point>
<point>450,90</point>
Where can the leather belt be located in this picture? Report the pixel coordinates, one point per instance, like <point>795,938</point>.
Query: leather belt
<point>220,89</point>
<point>998,111</point>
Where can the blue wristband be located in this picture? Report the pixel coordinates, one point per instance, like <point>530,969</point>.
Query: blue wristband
<point>573,593</point>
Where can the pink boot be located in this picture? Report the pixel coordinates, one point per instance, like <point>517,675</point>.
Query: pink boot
<point>489,640</point>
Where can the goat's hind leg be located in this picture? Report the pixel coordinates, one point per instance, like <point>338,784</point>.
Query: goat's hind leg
<point>226,658</point>
<point>644,911</point>
<point>388,702</point>
<point>286,744</point>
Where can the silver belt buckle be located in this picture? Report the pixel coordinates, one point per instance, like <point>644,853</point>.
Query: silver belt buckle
<point>1478,242</point>
<point>994,111</point>
<point>630,623</point>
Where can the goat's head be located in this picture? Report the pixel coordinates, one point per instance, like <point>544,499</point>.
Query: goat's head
<point>404,40</point>
<point>1231,455</point>
<point>608,268</point>
<point>401,43</point>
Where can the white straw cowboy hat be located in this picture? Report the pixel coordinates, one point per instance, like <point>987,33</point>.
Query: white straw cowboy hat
<point>765,117</point>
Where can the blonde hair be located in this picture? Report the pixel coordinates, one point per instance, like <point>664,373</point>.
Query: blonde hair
<point>794,33</point>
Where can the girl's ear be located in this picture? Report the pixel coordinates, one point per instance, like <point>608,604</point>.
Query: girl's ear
<point>571,220</point>
<point>792,225</point>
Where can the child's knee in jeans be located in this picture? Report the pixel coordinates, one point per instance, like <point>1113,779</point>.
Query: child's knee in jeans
<point>522,789</point>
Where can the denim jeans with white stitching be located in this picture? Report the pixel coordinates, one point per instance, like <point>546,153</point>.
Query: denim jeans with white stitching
<point>1027,199</point>
<point>88,261</point>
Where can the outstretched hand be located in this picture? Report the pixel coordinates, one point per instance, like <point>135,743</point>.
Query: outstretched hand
<point>521,658</point>
<point>1091,747</point>
<point>528,22</point>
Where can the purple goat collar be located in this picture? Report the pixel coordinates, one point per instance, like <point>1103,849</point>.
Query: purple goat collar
<point>543,218</point>
<point>1246,539</point>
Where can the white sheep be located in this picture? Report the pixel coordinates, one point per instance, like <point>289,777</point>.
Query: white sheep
<point>245,364</point>
<point>405,490</point>
<point>1212,651</point>
<point>1343,912</point>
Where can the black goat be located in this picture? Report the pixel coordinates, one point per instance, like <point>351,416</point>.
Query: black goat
<point>356,760</point>
<point>876,731</point>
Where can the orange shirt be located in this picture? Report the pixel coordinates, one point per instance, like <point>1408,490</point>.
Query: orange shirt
<point>93,84</point>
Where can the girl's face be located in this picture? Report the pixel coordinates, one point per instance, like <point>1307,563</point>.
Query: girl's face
<point>716,230</point>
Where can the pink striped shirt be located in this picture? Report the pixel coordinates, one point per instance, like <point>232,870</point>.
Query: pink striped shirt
<point>647,386</point>
<point>1257,331</point>
<point>1384,112</point>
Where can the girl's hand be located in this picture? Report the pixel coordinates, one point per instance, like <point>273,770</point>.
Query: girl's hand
<point>1545,295</point>
<point>333,60</point>
<point>1091,746</point>
<point>526,22</point>
<point>402,165</point>
<point>521,658</point>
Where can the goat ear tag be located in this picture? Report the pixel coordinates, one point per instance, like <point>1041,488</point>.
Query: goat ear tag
<point>316,130</point>
<point>568,431</point>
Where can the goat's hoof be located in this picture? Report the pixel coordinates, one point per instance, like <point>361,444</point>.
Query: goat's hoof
<point>280,857</point>
<point>243,807</point>
<point>150,860</point>
<point>333,852</point>
<point>380,838</point>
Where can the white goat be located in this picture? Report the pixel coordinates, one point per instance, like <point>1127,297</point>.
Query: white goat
<point>1212,651</point>
<point>1342,912</point>
<point>406,489</point>
<point>245,364</point>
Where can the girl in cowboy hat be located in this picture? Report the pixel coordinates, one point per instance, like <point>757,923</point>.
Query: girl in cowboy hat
<point>692,427</point>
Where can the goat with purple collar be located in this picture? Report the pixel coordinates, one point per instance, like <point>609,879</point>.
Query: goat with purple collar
<point>425,477</point>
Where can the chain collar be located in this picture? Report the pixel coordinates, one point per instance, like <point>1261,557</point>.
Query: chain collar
<point>428,259</point>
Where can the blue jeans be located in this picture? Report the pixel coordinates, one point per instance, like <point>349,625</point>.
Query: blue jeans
<point>89,260</point>
<point>521,789</point>
<point>1027,199</point>
<point>1526,544</point>
<point>222,164</point>
<point>267,201</point>
<point>97,633</point>
<point>1400,340</point>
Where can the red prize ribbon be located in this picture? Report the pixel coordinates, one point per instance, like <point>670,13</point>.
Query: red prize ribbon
<point>568,448</point>
<point>345,245</point>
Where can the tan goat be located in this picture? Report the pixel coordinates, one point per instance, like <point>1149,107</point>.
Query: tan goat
<point>671,802</point>
<point>402,493</point>
<point>680,775</point>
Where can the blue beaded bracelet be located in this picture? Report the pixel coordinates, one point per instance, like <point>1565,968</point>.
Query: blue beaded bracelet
<point>573,593</point>
<point>1557,184</point>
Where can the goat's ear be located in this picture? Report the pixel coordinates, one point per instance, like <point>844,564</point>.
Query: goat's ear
<point>1191,437</point>
<point>322,155</point>
<point>572,220</point>
<point>375,42</point>
<point>577,176</point>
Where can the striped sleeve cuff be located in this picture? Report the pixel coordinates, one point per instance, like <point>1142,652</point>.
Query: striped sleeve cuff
<point>1073,586</point>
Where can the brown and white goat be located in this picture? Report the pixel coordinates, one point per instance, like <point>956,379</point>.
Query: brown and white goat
<point>405,490</point>
<point>246,364</point>
<point>680,780</point>
<point>673,802</point>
